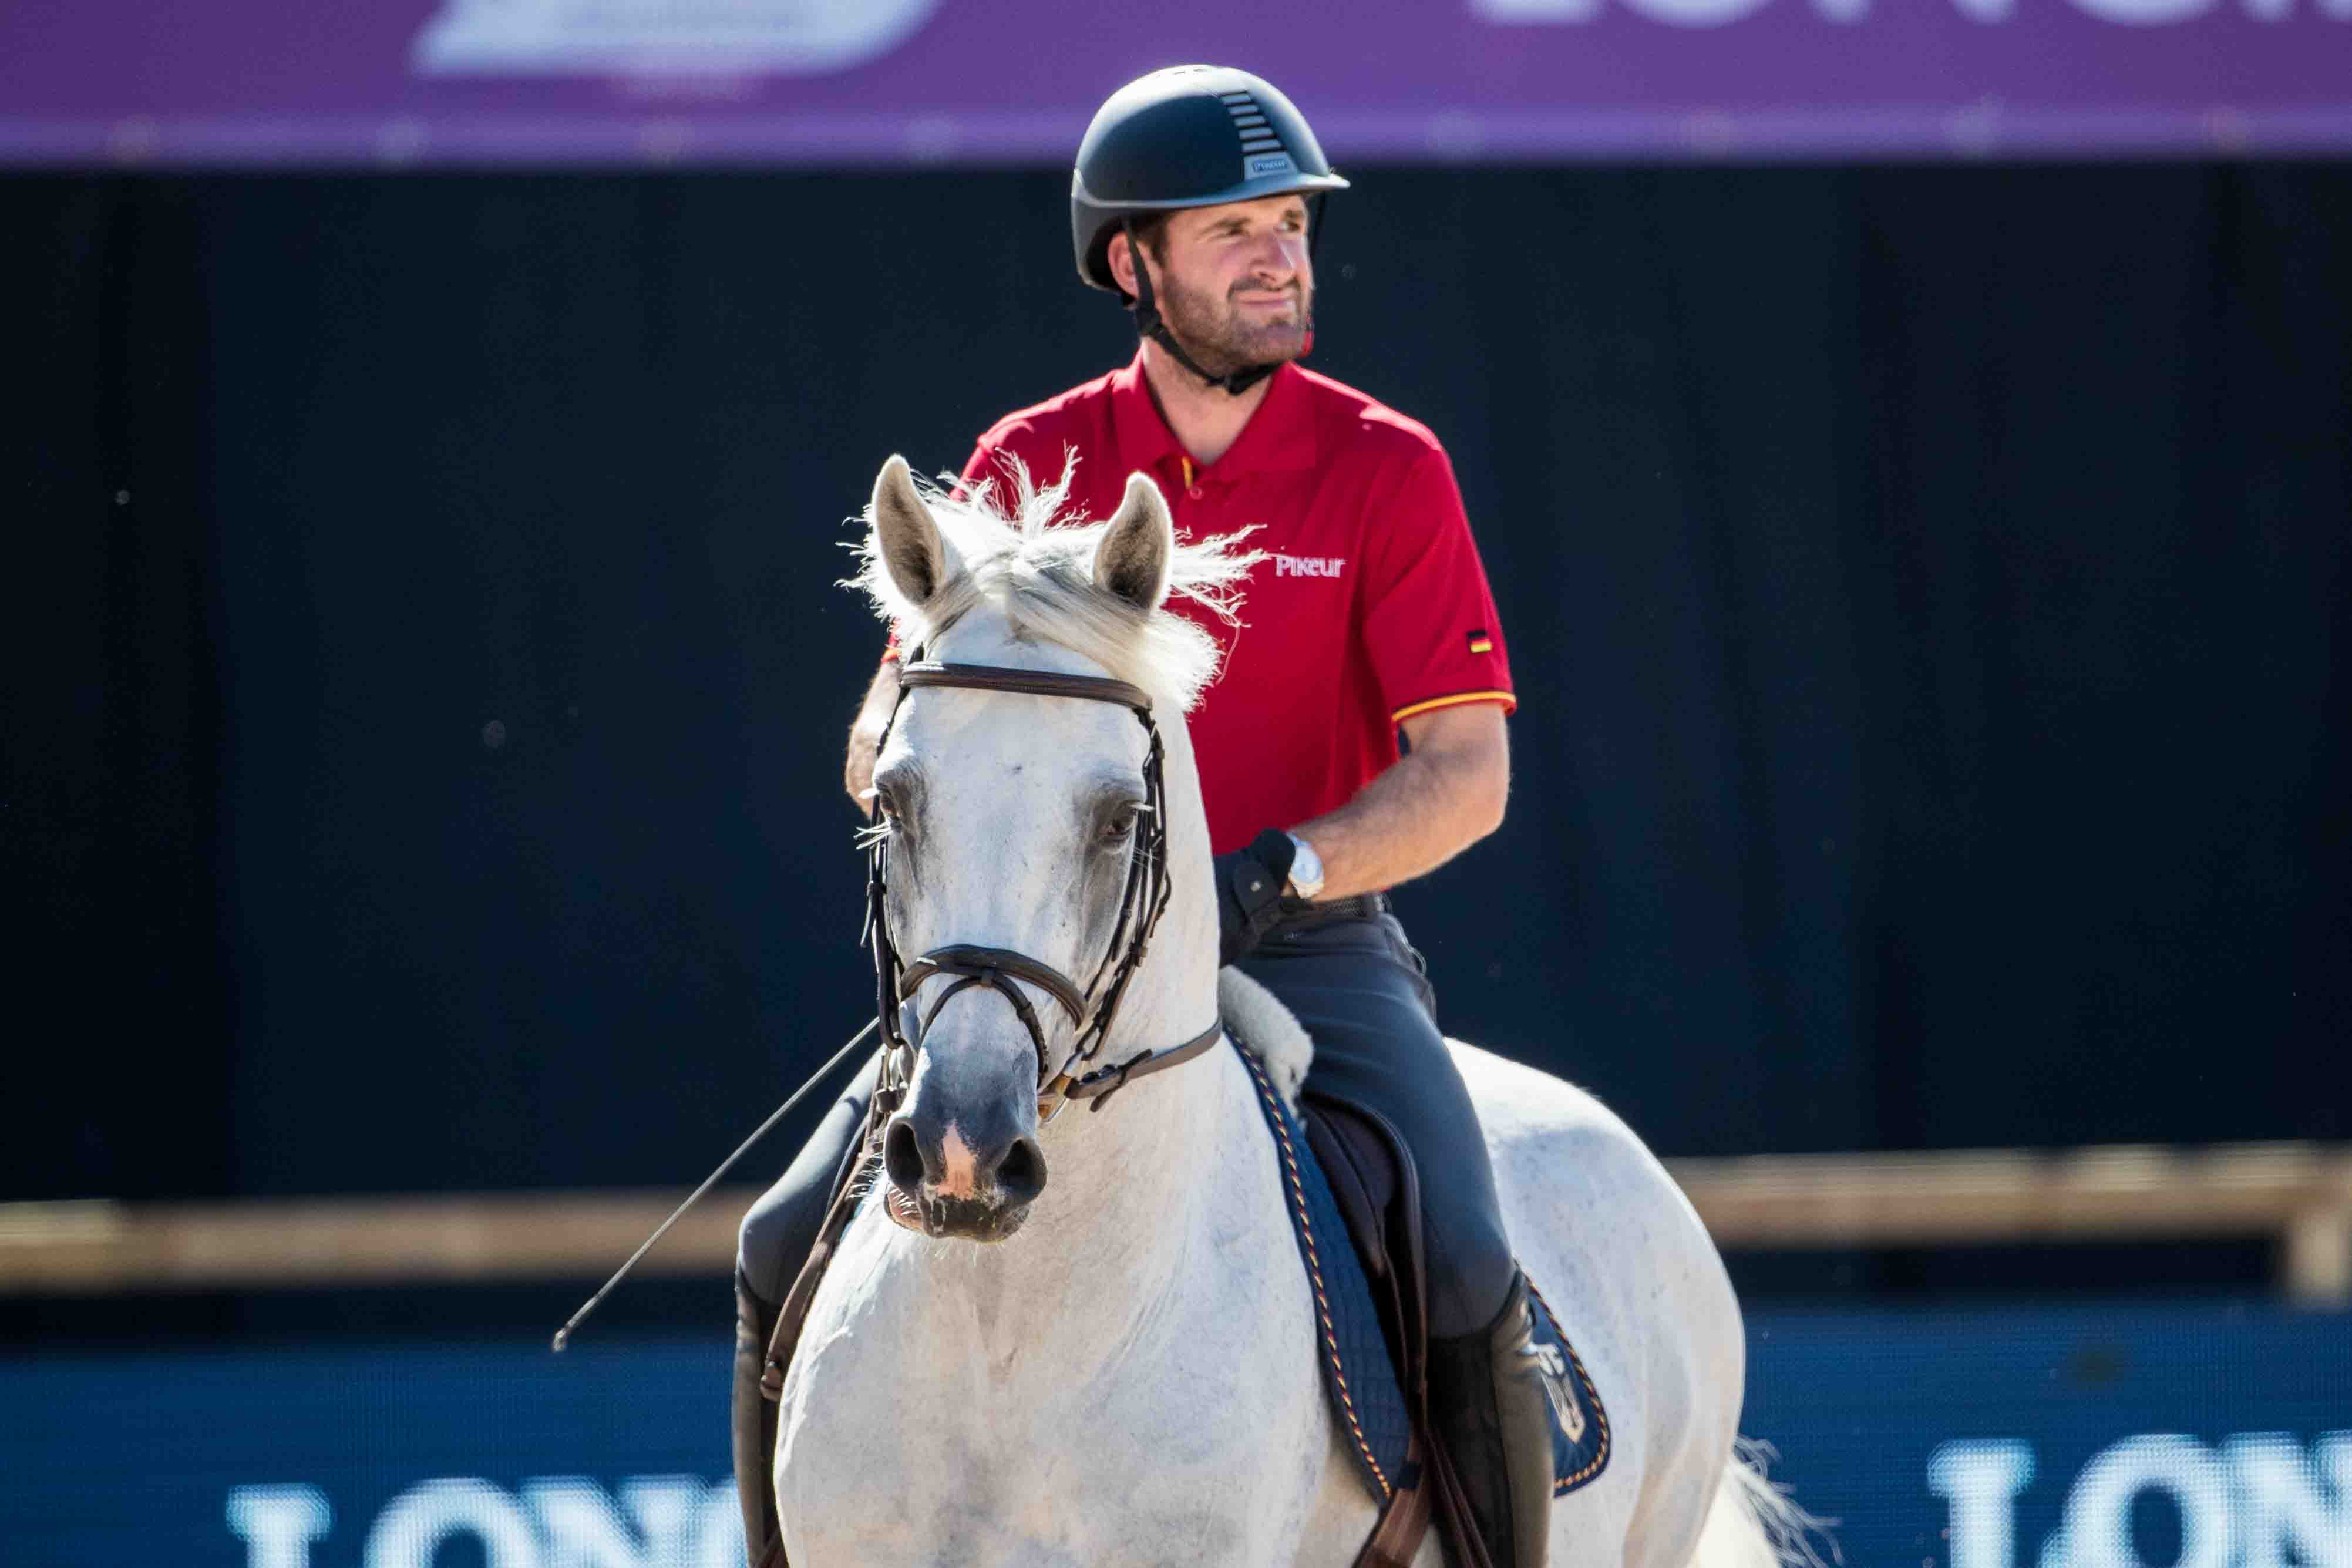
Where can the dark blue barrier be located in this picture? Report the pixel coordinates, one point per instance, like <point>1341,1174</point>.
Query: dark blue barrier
<point>2088,1437</point>
<point>2214,1437</point>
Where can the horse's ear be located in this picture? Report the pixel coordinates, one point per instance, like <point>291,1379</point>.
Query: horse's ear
<point>908,538</point>
<point>1131,559</point>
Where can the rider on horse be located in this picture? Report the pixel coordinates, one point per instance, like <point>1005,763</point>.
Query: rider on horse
<point>1194,198</point>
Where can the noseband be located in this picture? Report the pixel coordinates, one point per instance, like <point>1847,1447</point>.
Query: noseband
<point>1091,1008</point>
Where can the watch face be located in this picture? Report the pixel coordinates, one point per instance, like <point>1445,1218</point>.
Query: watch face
<point>1305,868</point>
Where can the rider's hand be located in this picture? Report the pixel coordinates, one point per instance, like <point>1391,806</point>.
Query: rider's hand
<point>1250,883</point>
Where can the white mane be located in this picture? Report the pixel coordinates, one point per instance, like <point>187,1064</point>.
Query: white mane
<point>1033,564</point>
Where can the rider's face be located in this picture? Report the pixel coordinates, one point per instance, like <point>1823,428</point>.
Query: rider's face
<point>1235,283</point>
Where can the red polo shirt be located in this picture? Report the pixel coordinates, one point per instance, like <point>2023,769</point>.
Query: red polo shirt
<point>1372,606</point>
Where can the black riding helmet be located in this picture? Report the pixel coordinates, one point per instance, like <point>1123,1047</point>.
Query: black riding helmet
<point>1190,136</point>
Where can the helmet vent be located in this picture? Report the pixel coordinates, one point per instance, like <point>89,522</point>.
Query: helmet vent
<point>1257,135</point>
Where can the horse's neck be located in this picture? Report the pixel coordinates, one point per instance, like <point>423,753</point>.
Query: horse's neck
<point>1124,1221</point>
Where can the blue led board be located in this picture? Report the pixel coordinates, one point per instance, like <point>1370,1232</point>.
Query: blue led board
<point>2135,1437</point>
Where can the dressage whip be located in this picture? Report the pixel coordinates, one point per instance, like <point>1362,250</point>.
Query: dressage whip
<point>564,1335</point>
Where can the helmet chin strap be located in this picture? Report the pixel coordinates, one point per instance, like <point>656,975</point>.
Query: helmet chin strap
<point>1150,324</point>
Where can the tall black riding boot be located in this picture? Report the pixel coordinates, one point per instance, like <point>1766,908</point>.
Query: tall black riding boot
<point>754,1422</point>
<point>1487,1401</point>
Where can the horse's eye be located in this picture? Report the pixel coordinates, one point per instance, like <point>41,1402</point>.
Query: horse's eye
<point>1120,828</point>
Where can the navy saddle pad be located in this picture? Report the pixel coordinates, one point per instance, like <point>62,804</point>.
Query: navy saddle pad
<point>1358,1373</point>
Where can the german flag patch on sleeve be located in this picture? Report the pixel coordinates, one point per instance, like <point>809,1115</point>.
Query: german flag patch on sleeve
<point>1480,642</point>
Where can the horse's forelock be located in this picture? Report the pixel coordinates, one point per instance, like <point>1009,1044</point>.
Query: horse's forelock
<point>1017,548</point>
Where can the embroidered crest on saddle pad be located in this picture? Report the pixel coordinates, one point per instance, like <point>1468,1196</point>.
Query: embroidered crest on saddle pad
<point>1358,1374</point>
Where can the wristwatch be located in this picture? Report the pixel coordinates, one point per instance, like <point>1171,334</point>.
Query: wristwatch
<point>1305,870</point>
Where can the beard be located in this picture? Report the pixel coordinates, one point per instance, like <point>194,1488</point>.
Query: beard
<point>1221,336</point>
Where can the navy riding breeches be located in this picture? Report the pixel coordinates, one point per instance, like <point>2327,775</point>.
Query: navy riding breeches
<point>1359,988</point>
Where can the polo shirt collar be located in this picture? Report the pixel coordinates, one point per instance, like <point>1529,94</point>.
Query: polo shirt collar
<point>1279,436</point>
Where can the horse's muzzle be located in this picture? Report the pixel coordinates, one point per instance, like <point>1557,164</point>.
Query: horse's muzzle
<point>958,1220</point>
<point>945,1182</point>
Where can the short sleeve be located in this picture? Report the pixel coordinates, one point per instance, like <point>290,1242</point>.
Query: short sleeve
<point>1429,623</point>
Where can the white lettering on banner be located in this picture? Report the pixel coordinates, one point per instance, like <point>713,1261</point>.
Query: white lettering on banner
<point>1696,13</point>
<point>277,1524</point>
<point>1981,1481</point>
<point>721,1538</point>
<point>742,37</point>
<point>1721,12</point>
<point>2098,1527</point>
<point>413,1526</point>
<point>2152,13</point>
<point>1310,565</point>
<point>584,1530</point>
<point>2261,1502</point>
<point>558,1521</point>
<point>2282,1507</point>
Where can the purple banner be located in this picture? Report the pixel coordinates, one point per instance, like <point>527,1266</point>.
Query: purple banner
<point>858,82</point>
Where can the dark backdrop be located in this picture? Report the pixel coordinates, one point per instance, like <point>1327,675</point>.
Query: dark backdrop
<point>425,683</point>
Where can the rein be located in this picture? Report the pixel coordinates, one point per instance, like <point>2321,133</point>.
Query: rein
<point>1092,1007</point>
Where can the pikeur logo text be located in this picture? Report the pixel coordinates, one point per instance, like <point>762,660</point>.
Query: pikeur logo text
<point>1310,565</point>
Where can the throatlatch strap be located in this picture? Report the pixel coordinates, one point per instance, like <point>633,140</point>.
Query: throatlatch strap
<point>1103,1082</point>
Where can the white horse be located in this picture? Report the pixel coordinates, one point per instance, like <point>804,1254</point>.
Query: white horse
<point>1132,1379</point>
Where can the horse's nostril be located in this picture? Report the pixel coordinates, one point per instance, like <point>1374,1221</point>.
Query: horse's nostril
<point>902,1157</point>
<point>1022,1177</point>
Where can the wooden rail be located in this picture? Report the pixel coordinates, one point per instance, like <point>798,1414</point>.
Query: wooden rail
<point>2300,1194</point>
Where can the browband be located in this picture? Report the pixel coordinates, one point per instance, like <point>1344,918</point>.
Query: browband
<point>1031,682</point>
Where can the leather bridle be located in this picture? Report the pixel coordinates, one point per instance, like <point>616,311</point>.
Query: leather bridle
<point>1092,1007</point>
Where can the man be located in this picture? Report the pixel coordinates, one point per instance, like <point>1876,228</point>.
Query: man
<point>1195,196</point>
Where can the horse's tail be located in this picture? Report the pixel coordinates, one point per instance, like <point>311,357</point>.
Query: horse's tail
<point>1754,1524</point>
